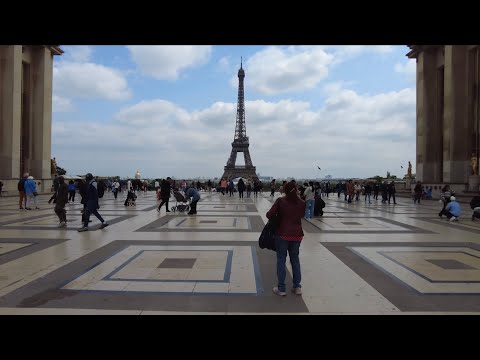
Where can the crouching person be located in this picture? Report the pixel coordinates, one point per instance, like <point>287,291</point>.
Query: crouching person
<point>192,193</point>
<point>452,210</point>
<point>61,198</point>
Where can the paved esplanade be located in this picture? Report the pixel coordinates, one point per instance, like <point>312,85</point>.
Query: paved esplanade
<point>376,259</point>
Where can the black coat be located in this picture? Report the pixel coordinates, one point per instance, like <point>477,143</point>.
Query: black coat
<point>165,190</point>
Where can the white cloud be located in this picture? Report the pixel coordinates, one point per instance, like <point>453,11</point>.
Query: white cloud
<point>61,104</point>
<point>351,135</point>
<point>78,53</point>
<point>276,70</point>
<point>408,68</point>
<point>166,62</point>
<point>344,53</point>
<point>89,80</point>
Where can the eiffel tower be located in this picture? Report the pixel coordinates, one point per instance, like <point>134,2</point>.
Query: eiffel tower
<point>240,142</point>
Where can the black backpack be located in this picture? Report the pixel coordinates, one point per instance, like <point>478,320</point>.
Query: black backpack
<point>101,189</point>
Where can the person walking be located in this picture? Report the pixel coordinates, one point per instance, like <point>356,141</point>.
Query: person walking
<point>391,191</point>
<point>92,205</point>
<point>231,186</point>
<point>115,187</point>
<point>418,192</point>
<point>289,210</point>
<point>165,189</point>
<point>272,188</point>
<point>61,198</point>
<point>249,187</point>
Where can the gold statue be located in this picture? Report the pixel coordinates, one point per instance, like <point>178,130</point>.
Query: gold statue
<point>473,164</point>
<point>409,170</point>
<point>53,166</point>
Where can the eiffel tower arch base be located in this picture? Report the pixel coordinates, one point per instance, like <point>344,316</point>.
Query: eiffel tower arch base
<point>236,172</point>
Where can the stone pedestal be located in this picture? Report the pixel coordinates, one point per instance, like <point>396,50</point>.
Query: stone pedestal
<point>408,184</point>
<point>473,182</point>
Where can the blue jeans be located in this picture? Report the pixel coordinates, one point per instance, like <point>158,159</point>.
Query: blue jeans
<point>310,208</point>
<point>293,248</point>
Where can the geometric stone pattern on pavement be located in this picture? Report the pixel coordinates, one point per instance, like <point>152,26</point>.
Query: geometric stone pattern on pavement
<point>356,259</point>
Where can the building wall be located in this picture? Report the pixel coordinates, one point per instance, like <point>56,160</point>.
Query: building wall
<point>30,67</point>
<point>446,119</point>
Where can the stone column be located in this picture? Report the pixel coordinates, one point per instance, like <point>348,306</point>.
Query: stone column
<point>456,136</point>
<point>42,74</point>
<point>10,111</point>
<point>429,129</point>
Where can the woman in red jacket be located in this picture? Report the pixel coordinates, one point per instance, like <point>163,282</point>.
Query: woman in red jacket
<point>290,210</point>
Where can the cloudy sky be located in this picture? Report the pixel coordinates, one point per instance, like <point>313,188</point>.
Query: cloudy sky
<point>170,110</point>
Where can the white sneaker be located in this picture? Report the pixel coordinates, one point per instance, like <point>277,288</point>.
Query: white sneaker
<point>62,224</point>
<point>453,218</point>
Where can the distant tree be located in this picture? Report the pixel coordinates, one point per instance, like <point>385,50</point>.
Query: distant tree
<point>378,178</point>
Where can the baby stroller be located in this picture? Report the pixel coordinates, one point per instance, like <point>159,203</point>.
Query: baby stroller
<point>181,203</point>
<point>131,197</point>
<point>475,205</point>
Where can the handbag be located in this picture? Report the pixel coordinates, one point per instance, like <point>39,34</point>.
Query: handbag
<point>267,237</point>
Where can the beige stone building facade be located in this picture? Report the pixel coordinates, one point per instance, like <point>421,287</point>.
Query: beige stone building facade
<point>26,74</point>
<point>448,115</point>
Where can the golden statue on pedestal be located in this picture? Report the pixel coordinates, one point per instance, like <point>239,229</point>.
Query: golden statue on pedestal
<point>53,166</point>
<point>409,171</point>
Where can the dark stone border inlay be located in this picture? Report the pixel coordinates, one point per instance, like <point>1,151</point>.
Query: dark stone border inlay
<point>396,291</point>
<point>451,225</point>
<point>311,227</point>
<point>69,227</point>
<point>36,245</point>
<point>46,292</point>
<point>256,224</point>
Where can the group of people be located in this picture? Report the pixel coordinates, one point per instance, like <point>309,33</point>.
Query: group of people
<point>89,191</point>
<point>190,194</point>
<point>352,191</point>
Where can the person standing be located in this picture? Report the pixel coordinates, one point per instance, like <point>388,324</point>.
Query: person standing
<point>92,205</point>
<point>249,187</point>
<point>418,192</point>
<point>289,210</point>
<point>309,195</point>
<point>368,192</point>
<point>165,189</point>
<point>223,186</point>
<point>350,191</point>
<point>129,186</point>
<point>376,188</point>
<point>31,192</point>
<point>231,186</point>
<point>209,185</point>
<point>256,187</point>
<point>192,193</point>
<point>61,198</point>
<point>241,188</point>
<point>71,189</point>
<point>22,202</point>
